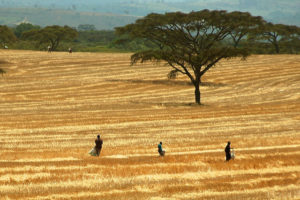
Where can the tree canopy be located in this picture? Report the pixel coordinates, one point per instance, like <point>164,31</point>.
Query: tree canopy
<point>23,27</point>
<point>278,34</point>
<point>51,35</point>
<point>192,43</point>
<point>6,36</point>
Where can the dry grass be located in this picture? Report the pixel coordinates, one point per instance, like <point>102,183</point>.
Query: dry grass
<point>53,105</point>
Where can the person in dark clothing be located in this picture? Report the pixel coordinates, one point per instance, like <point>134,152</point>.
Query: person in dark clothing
<point>160,149</point>
<point>98,146</point>
<point>227,152</point>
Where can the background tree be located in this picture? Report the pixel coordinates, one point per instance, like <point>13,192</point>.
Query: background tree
<point>277,35</point>
<point>244,24</point>
<point>292,45</point>
<point>6,36</point>
<point>290,41</point>
<point>51,35</point>
<point>97,36</point>
<point>23,27</point>
<point>191,43</point>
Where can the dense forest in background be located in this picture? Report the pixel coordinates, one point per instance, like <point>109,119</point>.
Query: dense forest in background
<point>89,39</point>
<point>95,20</point>
<point>275,38</point>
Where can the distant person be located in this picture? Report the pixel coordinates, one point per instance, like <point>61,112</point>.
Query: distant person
<point>160,149</point>
<point>98,146</point>
<point>70,50</point>
<point>5,47</point>
<point>49,49</point>
<point>227,151</point>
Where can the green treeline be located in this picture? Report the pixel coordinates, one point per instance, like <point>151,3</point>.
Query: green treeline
<point>85,38</point>
<point>268,39</point>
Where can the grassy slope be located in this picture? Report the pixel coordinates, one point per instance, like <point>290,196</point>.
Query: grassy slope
<point>63,17</point>
<point>53,105</point>
<point>286,12</point>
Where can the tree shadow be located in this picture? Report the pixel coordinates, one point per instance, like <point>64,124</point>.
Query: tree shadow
<point>3,62</point>
<point>167,82</point>
<point>211,84</point>
<point>169,104</point>
<point>154,82</point>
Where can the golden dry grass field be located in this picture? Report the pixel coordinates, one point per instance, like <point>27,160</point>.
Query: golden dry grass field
<point>52,106</point>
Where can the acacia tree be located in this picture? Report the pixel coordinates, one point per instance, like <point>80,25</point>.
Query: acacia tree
<point>52,35</point>
<point>23,27</point>
<point>244,25</point>
<point>6,36</point>
<point>277,34</point>
<point>192,43</point>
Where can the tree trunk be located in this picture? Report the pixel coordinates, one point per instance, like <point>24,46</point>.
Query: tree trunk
<point>277,48</point>
<point>197,94</point>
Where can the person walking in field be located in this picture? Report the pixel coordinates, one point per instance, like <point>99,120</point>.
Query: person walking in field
<point>227,151</point>
<point>70,50</point>
<point>160,149</point>
<point>96,150</point>
<point>98,146</point>
<point>49,49</point>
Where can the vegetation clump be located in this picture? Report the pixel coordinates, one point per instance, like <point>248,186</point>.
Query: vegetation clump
<point>191,44</point>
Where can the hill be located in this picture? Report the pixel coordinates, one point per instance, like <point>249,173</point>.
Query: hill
<point>74,12</point>
<point>43,17</point>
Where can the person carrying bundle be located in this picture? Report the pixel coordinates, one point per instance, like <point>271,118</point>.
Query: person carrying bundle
<point>160,149</point>
<point>98,146</point>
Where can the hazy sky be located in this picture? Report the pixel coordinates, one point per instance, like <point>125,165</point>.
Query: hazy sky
<point>276,11</point>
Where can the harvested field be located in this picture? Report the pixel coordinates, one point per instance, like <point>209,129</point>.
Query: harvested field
<point>52,106</point>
